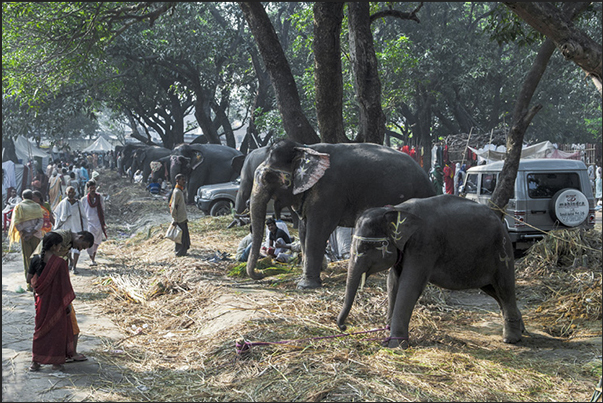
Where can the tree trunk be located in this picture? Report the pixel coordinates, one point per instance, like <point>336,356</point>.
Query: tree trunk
<point>262,102</point>
<point>557,25</point>
<point>366,75</point>
<point>203,116</point>
<point>295,123</point>
<point>328,80</point>
<point>522,116</point>
<point>422,129</point>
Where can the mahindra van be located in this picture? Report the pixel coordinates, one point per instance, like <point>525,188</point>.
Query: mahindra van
<point>549,194</point>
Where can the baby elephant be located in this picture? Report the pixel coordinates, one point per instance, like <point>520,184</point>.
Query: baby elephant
<point>446,240</point>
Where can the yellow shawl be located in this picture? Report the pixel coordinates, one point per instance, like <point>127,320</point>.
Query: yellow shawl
<point>24,211</point>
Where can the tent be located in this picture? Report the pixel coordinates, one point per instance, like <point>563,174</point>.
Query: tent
<point>26,150</point>
<point>99,146</point>
<point>545,149</point>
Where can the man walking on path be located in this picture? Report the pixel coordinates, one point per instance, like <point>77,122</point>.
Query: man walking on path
<point>70,216</point>
<point>179,216</point>
<point>26,226</point>
<point>94,209</point>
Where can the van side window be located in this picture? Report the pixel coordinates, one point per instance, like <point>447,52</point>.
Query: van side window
<point>471,184</point>
<point>545,185</point>
<point>488,184</point>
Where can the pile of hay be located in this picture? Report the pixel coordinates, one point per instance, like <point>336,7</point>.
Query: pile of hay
<point>564,273</point>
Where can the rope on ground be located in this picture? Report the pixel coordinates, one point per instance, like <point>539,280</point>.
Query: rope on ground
<point>243,347</point>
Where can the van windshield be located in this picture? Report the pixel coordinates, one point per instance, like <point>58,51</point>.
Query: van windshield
<point>471,184</point>
<point>545,185</point>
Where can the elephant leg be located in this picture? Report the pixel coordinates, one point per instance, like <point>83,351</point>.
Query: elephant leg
<point>393,278</point>
<point>513,325</point>
<point>411,283</point>
<point>315,240</point>
<point>146,171</point>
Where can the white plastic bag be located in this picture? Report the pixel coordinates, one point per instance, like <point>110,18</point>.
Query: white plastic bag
<point>174,233</point>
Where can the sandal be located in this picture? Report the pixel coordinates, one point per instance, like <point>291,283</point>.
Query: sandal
<point>58,367</point>
<point>34,367</point>
<point>79,357</point>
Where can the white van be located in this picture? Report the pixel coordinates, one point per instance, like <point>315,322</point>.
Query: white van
<point>549,194</point>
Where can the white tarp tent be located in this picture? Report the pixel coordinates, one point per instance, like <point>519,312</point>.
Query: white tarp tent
<point>26,150</point>
<point>546,149</point>
<point>99,146</point>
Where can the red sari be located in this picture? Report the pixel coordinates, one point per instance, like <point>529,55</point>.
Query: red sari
<point>53,334</point>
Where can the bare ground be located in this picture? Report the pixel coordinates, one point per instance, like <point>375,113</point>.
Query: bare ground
<point>173,324</point>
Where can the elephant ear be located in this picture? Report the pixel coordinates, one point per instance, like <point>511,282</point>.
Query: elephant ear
<point>197,159</point>
<point>308,168</point>
<point>401,226</point>
<point>237,164</point>
<point>155,166</point>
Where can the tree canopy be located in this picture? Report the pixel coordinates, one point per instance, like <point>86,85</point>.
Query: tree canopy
<point>442,68</point>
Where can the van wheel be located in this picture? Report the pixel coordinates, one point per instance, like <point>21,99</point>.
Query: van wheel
<point>569,207</point>
<point>221,207</point>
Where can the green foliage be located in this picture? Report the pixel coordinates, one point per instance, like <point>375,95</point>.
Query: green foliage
<point>504,27</point>
<point>463,65</point>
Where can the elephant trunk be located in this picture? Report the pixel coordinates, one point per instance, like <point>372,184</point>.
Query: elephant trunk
<point>257,209</point>
<point>351,287</point>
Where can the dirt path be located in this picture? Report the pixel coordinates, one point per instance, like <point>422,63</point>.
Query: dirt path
<point>80,380</point>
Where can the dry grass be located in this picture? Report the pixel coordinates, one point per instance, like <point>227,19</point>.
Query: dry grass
<point>183,317</point>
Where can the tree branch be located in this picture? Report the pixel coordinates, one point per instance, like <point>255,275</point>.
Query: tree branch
<point>397,14</point>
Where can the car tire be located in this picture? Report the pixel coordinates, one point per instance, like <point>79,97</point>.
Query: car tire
<point>220,208</point>
<point>569,207</point>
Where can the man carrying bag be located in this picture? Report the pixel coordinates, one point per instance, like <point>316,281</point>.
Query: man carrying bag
<point>179,217</point>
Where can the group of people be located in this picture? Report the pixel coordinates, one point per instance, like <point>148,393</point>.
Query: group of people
<point>51,240</point>
<point>32,217</point>
<point>280,246</point>
<point>449,178</point>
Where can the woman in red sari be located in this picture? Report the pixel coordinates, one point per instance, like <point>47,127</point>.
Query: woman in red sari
<point>53,334</point>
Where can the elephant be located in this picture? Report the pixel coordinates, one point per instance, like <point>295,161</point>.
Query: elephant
<point>127,156</point>
<point>330,185</point>
<point>283,198</point>
<point>204,164</point>
<point>446,240</point>
<point>143,156</point>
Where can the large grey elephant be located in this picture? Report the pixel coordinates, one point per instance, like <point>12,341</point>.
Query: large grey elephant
<point>143,156</point>
<point>445,240</point>
<point>204,164</point>
<point>127,156</point>
<point>330,185</point>
<point>283,197</point>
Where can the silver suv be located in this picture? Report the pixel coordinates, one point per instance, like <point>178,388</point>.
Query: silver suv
<point>219,199</point>
<point>549,194</point>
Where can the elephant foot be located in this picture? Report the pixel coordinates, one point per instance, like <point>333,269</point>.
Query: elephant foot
<point>512,331</point>
<point>308,283</point>
<point>394,342</point>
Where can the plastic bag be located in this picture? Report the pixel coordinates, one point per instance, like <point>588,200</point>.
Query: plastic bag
<point>174,233</point>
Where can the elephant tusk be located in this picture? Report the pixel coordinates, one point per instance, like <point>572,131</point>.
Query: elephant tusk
<point>362,281</point>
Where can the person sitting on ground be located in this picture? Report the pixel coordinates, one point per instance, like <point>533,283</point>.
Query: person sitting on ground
<point>138,176</point>
<point>276,234</point>
<point>12,201</point>
<point>287,250</point>
<point>244,247</point>
<point>154,187</point>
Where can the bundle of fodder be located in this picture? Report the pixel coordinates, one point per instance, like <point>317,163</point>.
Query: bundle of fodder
<point>564,274</point>
<point>562,249</point>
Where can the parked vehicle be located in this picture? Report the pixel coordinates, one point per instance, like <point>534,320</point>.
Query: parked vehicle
<point>219,199</point>
<point>549,194</point>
